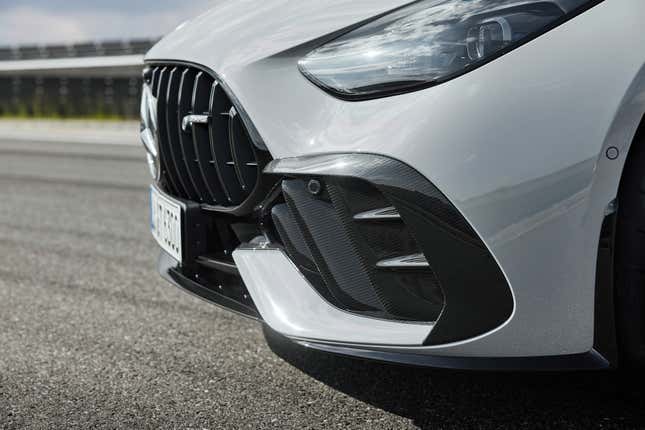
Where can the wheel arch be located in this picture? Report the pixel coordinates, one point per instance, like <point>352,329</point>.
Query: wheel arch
<point>625,135</point>
<point>628,121</point>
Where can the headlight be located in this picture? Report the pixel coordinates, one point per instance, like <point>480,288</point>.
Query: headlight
<point>429,42</point>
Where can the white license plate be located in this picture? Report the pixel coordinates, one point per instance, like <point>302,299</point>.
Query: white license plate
<point>166,223</point>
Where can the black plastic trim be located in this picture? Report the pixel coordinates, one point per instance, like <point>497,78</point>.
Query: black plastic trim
<point>591,360</point>
<point>331,286</point>
<point>169,270</point>
<point>605,335</point>
<point>219,265</point>
<point>193,227</point>
<point>478,299</point>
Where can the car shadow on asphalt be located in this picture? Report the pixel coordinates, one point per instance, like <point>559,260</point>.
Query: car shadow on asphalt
<point>437,398</point>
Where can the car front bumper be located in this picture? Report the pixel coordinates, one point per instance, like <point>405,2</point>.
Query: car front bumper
<point>517,147</point>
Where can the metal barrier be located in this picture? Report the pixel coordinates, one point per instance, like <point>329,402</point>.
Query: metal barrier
<point>78,80</point>
<point>77,50</point>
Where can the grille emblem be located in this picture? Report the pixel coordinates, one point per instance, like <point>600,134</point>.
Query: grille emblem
<point>188,121</point>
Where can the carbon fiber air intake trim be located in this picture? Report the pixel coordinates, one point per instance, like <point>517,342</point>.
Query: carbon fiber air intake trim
<point>478,298</point>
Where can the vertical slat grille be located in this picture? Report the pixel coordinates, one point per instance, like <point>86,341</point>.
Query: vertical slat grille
<point>246,168</point>
<point>200,103</point>
<point>184,107</point>
<point>167,172</point>
<point>205,149</point>
<point>174,144</point>
<point>219,141</point>
<point>155,80</point>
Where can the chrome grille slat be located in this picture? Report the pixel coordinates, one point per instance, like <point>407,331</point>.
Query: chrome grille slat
<point>200,101</point>
<point>232,142</point>
<point>184,107</point>
<point>219,143</point>
<point>174,144</point>
<point>167,171</point>
<point>241,151</point>
<point>165,179</point>
<point>205,149</point>
<point>155,81</point>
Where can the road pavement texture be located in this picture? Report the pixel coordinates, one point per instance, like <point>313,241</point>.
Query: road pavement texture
<point>90,337</point>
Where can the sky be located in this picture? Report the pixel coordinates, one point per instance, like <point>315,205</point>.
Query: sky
<point>55,21</point>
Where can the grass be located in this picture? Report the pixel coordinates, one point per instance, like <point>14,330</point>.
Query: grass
<point>51,111</point>
<point>92,117</point>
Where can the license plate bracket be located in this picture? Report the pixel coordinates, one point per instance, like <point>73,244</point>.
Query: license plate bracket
<point>178,226</point>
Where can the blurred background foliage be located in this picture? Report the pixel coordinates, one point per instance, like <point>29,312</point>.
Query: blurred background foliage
<point>34,85</point>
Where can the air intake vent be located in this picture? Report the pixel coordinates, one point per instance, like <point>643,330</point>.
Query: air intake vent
<point>206,152</point>
<point>366,258</point>
<point>388,244</point>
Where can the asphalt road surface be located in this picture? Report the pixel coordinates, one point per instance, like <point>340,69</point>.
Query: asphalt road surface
<point>90,337</point>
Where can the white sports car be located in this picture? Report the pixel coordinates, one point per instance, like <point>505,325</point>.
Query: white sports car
<point>452,183</point>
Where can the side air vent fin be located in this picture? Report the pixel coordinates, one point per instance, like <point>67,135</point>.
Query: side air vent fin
<point>381,214</point>
<point>414,261</point>
<point>335,256</point>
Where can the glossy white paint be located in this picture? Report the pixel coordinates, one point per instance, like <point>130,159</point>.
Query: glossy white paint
<point>291,306</point>
<point>517,145</point>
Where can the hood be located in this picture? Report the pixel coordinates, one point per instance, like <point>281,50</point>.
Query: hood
<point>237,33</point>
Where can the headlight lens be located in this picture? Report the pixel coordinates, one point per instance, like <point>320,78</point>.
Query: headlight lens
<point>429,42</point>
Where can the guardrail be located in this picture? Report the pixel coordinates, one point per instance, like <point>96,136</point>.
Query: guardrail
<point>76,50</point>
<point>77,80</point>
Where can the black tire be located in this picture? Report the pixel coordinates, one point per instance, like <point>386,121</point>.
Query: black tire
<point>630,258</point>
